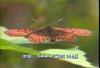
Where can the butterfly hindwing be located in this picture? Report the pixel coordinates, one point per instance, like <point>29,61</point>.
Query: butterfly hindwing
<point>38,36</point>
<point>68,37</point>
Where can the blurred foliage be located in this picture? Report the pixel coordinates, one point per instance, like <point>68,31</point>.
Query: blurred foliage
<point>75,14</point>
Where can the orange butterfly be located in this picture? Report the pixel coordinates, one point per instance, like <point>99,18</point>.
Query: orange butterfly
<point>49,33</point>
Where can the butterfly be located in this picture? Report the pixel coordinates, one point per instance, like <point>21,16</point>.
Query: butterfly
<point>51,34</point>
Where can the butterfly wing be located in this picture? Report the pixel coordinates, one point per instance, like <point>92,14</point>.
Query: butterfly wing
<point>38,36</point>
<point>60,35</point>
<point>50,35</point>
<point>18,32</point>
<point>76,31</point>
<point>68,37</point>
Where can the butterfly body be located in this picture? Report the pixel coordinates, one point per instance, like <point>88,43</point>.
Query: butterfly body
<point>49,34</point>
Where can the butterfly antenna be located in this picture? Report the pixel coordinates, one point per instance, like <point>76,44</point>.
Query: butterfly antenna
<point>60,19</point>
<point>76,47</point>
<point>34,20</point>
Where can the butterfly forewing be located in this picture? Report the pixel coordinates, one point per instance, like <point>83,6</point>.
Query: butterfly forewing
<point>18,32</point>
<point>76,31</point>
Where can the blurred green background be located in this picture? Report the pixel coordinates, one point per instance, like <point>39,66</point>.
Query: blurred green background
<point>75,14</point>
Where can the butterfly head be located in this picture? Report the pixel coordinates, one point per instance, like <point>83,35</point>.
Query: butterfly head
<point>48,28</point>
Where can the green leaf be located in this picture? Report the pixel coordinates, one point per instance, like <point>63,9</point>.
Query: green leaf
<point>81,60</point>
<point>5,45</point>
